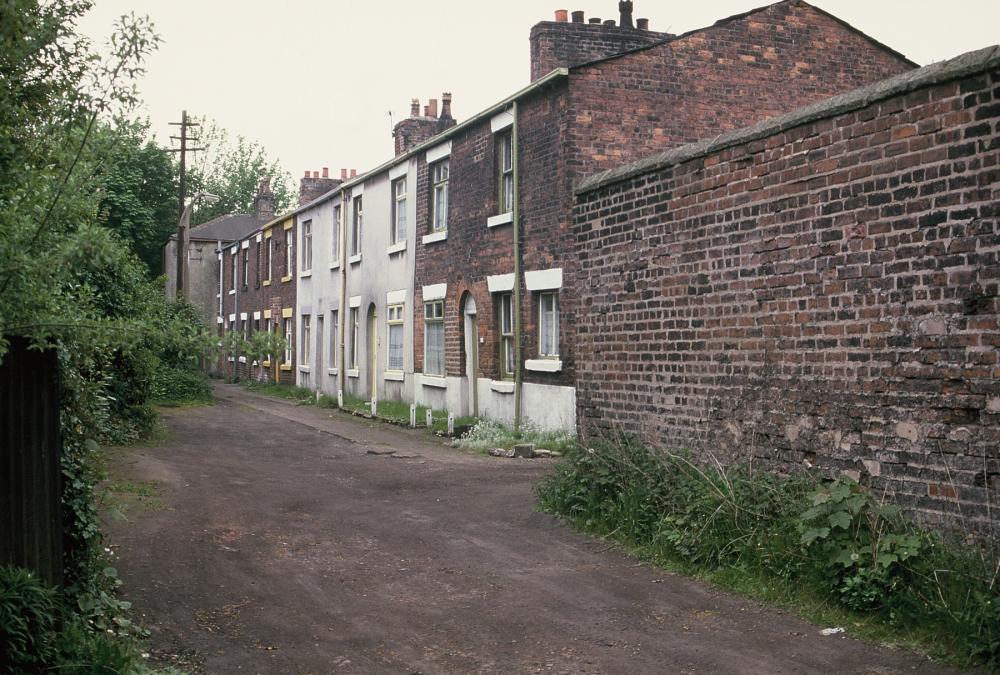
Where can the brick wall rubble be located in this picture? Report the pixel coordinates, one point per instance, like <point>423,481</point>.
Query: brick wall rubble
<point>820,289</point>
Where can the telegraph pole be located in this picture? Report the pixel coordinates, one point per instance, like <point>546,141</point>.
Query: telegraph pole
<point>182,225</point>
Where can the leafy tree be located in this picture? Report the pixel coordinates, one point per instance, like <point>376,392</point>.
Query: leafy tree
<point>232,169</point>
<point>139,190</point>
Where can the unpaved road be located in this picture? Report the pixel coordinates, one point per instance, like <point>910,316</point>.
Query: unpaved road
<point>287,541</point>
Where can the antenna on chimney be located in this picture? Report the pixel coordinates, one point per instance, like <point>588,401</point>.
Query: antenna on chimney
<point>391,125</point>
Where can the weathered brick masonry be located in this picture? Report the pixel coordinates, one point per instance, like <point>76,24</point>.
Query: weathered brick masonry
<point>820,289</point>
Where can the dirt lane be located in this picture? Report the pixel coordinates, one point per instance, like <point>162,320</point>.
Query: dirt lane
<point>283,544</point>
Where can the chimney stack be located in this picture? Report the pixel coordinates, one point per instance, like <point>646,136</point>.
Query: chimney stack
<point>415,107</point>
<point>313,186</point>
<point>263,202</point>
<point>578,16</point>
<point>642,24</point>
<point>562,16</point>
<point>625,13</point>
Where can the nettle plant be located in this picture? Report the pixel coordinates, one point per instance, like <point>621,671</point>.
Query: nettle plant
<point>862,542</point>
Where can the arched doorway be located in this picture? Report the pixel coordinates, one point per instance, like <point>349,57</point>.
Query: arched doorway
<point>372,328</point>
<point>471,344</point>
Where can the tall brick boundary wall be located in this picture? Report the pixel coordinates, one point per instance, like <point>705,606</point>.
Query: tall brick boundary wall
<point>819,289</point>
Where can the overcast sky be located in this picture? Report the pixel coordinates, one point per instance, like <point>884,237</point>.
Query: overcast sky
<point>314,81</point>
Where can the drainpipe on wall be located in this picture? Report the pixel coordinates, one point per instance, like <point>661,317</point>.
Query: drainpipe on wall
<point>517,275</point>
<point>218,258</point>
<point>343,312</point>
<point>236,306</point>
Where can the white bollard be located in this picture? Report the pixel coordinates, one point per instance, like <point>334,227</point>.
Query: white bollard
<point>374,406</point>
<point>430,417</point>
<point>340,398</point>
<point>413,415</point>
<point>451,424</point>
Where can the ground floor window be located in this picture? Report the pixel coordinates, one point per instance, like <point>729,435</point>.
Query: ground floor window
<point>395,327</point>
<point>506,335</point>
<point>334,332</point>
<point>286,327</point>
<point>306,338</point>
<point>352,360</point>
<point>548,324</point>
<point>434,338</point>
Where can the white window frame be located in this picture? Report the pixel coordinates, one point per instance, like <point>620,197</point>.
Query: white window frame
<point>234,275</point>
<point>245,261</point>
<point>398,233</point>
<point>505,172</point>
<point>506,333</point>
<point>394,323</point>
<point>335,244</point>
<point>306,338</point>
<point>289,257</point>
<point>434,316</point>
<point>357,225</point>
<point>307,246</point>
<point>334,333</point>
<point>286,328</point>
<point>352,362</point>
<point>440,175</point>
<point>551,350</point>
<point>270,257</point>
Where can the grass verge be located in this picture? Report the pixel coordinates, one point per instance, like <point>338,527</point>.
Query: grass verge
<point>831,551</point>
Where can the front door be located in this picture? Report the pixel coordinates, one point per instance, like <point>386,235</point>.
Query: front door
<point>471,355</point>
<point>372,352</point>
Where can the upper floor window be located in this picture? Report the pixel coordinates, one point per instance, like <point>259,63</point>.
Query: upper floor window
<point>256,268</point>
<point>395,328</point>
<point>307,246</point>
<point>398,233</point>
<point>246,266</point>
<point>270,256</point>
<point>233,272</point>
<point>288,252</point>
<point>335,236</point>
<point>505,171</point>
<point>356,225</point>
<point>439,196</point>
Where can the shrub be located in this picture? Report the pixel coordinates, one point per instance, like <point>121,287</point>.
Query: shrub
<point>178,386</point>
<point>487,434</point>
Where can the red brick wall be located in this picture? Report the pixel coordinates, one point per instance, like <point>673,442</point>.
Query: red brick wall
<point>824,295</point>
<point>723,77</point>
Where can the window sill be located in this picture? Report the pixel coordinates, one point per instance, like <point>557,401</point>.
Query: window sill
<point>286,279</point>
<point>394,375</point>
<point>435,237</point>
<point>335,265</point>
<point>353,373</point>
<point>218,295</point>
<point>544,365</point>
<point>434,381</point>
<point>502,219</point>
<point>230,359</point>
<point>306,273</point>
<point>266,282</point>
<point>502,386</point>
<point>266,364</point>
<point>354,259</point>
<point>243,359</point>
<point>285,366</point>
<point>232,292</point>
<point>304,369</point>
<point>398,247</point>
<point>332,371</point>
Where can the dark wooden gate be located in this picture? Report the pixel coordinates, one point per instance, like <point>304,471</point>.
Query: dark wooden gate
<point>30,473</point>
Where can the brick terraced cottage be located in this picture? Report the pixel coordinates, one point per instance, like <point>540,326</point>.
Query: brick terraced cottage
<point>496,276</point>
<point>819,289</point>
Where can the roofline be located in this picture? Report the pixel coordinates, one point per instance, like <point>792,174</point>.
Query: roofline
<point>742,15</point>
<point>944,71</point>
<point>540,83</point>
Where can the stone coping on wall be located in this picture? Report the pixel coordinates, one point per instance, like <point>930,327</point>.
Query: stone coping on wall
<point>944,71</point>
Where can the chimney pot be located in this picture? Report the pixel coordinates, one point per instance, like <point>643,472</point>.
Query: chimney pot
<point>427,111</point>
<point>433,107</point>
<point>609,22</point>
<point>578,16</point>
<point>642,24</point>
<point>446,105</point>
<point>415,107</point>
<point>625,12</point>
<point>594,19</point>
<point>307,173</point>
<point>343,174</point>
<point>315,174</point>
<point>326,172</point>
<point>562,15</point>
<point>354,172</point>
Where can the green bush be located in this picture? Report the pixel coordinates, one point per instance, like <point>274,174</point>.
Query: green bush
<point>37,633</point>
<point>832,542</point>
<point>179,386</point>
